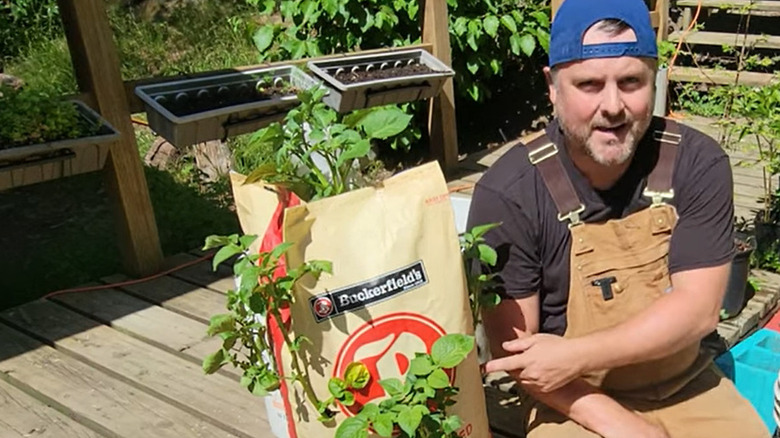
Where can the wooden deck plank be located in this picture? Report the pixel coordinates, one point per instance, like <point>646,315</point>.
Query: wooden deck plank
<point>755,5</point>
<point>137,317</point>
<point>111,406</point>
<point>180,382</point>
<point>24,417</point>
<point>149,322</point>
<point>202,273</point>
<point>719,77</point>
<point>176,295</point>
<point>728,39</point>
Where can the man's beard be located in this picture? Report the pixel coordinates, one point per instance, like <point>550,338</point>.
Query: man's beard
<point>580,139</point>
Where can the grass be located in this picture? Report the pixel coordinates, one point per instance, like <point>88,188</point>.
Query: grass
<point>201,36</point>
<point>62,233</point>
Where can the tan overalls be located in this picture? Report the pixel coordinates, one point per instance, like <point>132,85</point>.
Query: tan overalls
<point>618,268</point>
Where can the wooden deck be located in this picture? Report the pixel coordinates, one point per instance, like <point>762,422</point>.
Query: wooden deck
<point>123,362</point>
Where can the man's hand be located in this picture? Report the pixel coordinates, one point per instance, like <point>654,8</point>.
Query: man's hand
<point>547,362</point>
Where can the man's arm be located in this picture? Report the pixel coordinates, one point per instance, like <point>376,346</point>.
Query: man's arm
<point>579,401</point>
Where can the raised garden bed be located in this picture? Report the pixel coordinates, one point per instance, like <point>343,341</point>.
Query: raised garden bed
<point>363,81</point>
<point>190,111</point>
<point>34,163</point>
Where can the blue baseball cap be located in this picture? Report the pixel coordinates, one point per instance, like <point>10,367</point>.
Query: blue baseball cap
<point>575,17</point>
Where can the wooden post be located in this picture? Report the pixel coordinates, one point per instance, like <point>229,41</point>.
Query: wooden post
<point>441,113</point>
<point>554,7</point>
<point>96,63</point>
<point>662,8</point>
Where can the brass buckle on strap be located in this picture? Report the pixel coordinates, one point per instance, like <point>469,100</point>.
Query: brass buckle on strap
<point>667,137</point>
<point>573,216</point>
<point>658,197</point>
<point>542,153</point>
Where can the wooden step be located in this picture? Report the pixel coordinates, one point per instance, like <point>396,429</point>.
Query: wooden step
<point>719,77</point>
<point>728,39</point>
<point>733,6</point>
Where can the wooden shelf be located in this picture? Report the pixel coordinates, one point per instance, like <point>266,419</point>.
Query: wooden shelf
<point>728,39</point>
<point>719,77</point>
<point>733,6</point>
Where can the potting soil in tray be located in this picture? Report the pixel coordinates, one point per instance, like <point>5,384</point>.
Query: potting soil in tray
<point>349,77</point>
<point>205,100</point>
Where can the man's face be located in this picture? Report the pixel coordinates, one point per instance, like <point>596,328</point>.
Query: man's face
<point>604,105</point>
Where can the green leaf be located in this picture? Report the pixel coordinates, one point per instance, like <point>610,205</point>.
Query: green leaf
<point>509,23</point>
<point>528,44</point>
<point>460,26</point>
<point>258,390</point>
<point>490,24</point>
<point>421,365</point>
<point>451,424</point>
<point>353,427</point>
<point>324,116</point>
<point>357,375</point>
<point>331,7</point>
<point>473,67</point>
<point>357,150</point>
<point>438,379</point>
<point>321,266</point>
<point>409,419</point>
<point>541,18</point>
<point>449,350</point>
<point>383,424</point>
<point>280,249</point>
<point>213,362</point>
<point>336,387</point>
<point>487,255</point>
<point>269,380</point>
<point>392,386</point>
<point>495,66</point>
<point>385,122</point>
<point>544,39</point>
<point>220,324</point>
<point>215,242</point>
<point>247,240</point>
<point>475,31</point>
<point>225,253</point>
<point>263,38</point>
<point>481,230</point>
<point>514,43</point>
<point>490,300</point>
<point>348,398</point>
<point>298,342</point>
<point>370,411</point>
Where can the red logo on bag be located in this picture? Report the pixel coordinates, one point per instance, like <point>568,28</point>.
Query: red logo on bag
<point>385,346</point>
<point>323,307</point>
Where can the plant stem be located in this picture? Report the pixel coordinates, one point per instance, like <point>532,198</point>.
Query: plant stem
<point>301,374</point>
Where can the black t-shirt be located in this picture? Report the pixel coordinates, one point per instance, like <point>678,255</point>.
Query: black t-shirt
<point>534,247</point>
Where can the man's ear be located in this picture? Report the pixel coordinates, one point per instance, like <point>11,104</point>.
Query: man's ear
<point>548,76</point>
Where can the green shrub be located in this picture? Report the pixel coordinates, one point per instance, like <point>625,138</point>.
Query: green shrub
<point>25,22</point>
<point>486,35</point>
<point>29,116</point>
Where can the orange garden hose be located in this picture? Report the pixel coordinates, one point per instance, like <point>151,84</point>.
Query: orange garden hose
<point>129,282</point>
<point>676,52</point>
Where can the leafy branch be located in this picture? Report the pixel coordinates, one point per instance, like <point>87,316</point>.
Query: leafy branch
<point>245,339</point>
<point>317,154</point>
<point>474,249</point>
<point>415,407</point>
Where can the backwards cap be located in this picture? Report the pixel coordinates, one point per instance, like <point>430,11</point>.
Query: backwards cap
<point>575,17</point>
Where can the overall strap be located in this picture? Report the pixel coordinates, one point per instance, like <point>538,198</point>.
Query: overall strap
<point>659,182</point>
<point>543,154</point>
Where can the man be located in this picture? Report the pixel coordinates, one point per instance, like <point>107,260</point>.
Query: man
<point>614,248</point>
